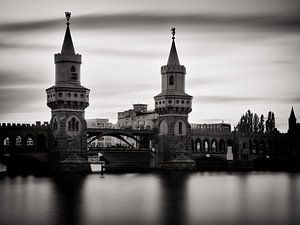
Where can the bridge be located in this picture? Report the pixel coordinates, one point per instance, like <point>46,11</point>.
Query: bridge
<point>23,146</point>
<point>142,137</point>
<point>27,145</point>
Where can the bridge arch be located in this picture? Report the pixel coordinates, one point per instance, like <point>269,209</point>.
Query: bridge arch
<point>222,146</point>
<point>116,135</point>
<point>198,145</point>
<point>214,145</point>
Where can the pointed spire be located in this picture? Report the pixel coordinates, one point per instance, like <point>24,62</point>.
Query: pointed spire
<point>292,115</point>
<point>68,47</point>
<point>173,57</point>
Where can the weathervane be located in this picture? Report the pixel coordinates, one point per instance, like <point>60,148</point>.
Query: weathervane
<point>173,32</point>
<point>68,15</point>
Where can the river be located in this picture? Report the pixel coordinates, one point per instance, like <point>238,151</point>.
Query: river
<point>165,198</point>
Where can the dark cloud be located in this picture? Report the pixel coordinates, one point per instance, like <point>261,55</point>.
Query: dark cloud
<point>17,45</point>
<point>127,21</point>
<point>20,79</point>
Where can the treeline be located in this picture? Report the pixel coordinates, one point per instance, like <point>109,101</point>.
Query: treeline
<point>252,123</point>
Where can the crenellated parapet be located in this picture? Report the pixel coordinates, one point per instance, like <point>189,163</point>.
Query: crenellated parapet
<point>37,125</point>
<point>173,69</point>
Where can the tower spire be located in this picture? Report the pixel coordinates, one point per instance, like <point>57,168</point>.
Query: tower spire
<point>68,47</point>
<point>173,56</point>
<point>292,115</point>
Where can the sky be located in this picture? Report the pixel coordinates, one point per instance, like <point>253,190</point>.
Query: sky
<point>239,55</point>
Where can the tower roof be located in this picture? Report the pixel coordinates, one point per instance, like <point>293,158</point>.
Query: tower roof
<point>173,57</point>
<point>68,47</point>
<point>292,115</point>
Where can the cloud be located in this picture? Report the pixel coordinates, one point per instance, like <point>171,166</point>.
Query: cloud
<point>213,99</point>
<point>9,45</point>
<point>146,20</point>
<point>15,80</point>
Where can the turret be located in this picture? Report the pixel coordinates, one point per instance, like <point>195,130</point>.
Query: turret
<point>68,100</point>
<point>173,99</point>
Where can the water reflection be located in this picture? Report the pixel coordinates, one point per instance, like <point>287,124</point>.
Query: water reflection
<point>173,201</point>
<point>160,199</point>
<point>68,190</point>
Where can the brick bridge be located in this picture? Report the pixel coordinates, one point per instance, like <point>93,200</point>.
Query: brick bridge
<point>28,143</point>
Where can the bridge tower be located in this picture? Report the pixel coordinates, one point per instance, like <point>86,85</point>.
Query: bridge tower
<point>68,100</point>
<point>173,144</point>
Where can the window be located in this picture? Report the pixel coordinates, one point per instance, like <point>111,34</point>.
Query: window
<point>55,125</point>
<point>171,80</point>
<point>18,141</point>
<point>73,73</point>
<point>73,125</point>
<point>6,141</point>
<point>206,146</point>
<point>180,127</point>
<point>30,142</point>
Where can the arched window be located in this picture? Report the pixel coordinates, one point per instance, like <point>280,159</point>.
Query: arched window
<point>73,124</point>
<point>214,146</point>
<point>30,141</point>
<point>55,125</point>
<point>73,73</point>
<point>6,141</point>
<point>180,127</point>
<point>222,146</point>
<point>18,141</point>
<point>206,146</point>
<point>198,145</point>
<point>171,80</point>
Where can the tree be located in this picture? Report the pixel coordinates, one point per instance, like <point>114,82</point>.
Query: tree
<point>270,123</point>
<point>255,123</point>
<point>261,126</point>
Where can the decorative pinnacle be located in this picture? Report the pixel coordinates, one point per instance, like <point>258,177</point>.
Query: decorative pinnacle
<point>68,16</point>
<point>173,32</point>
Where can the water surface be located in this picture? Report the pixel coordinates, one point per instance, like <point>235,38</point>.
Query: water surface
<point>151,199</point>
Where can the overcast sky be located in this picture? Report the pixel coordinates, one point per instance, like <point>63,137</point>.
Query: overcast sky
<point>239,55</point>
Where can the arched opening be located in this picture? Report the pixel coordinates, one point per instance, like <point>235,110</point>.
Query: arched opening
<point>55,124</point>
<point>222,146</point>
<point>171,80</point>
<point>180,127</point>
<point>29,142</point>
<point>73,124</point>
<point>73,72</point>
<point>214,146</point>
<point>6,141</point>
<point>206,145</point>
<point>18,141</point>
<point>198,145</point>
